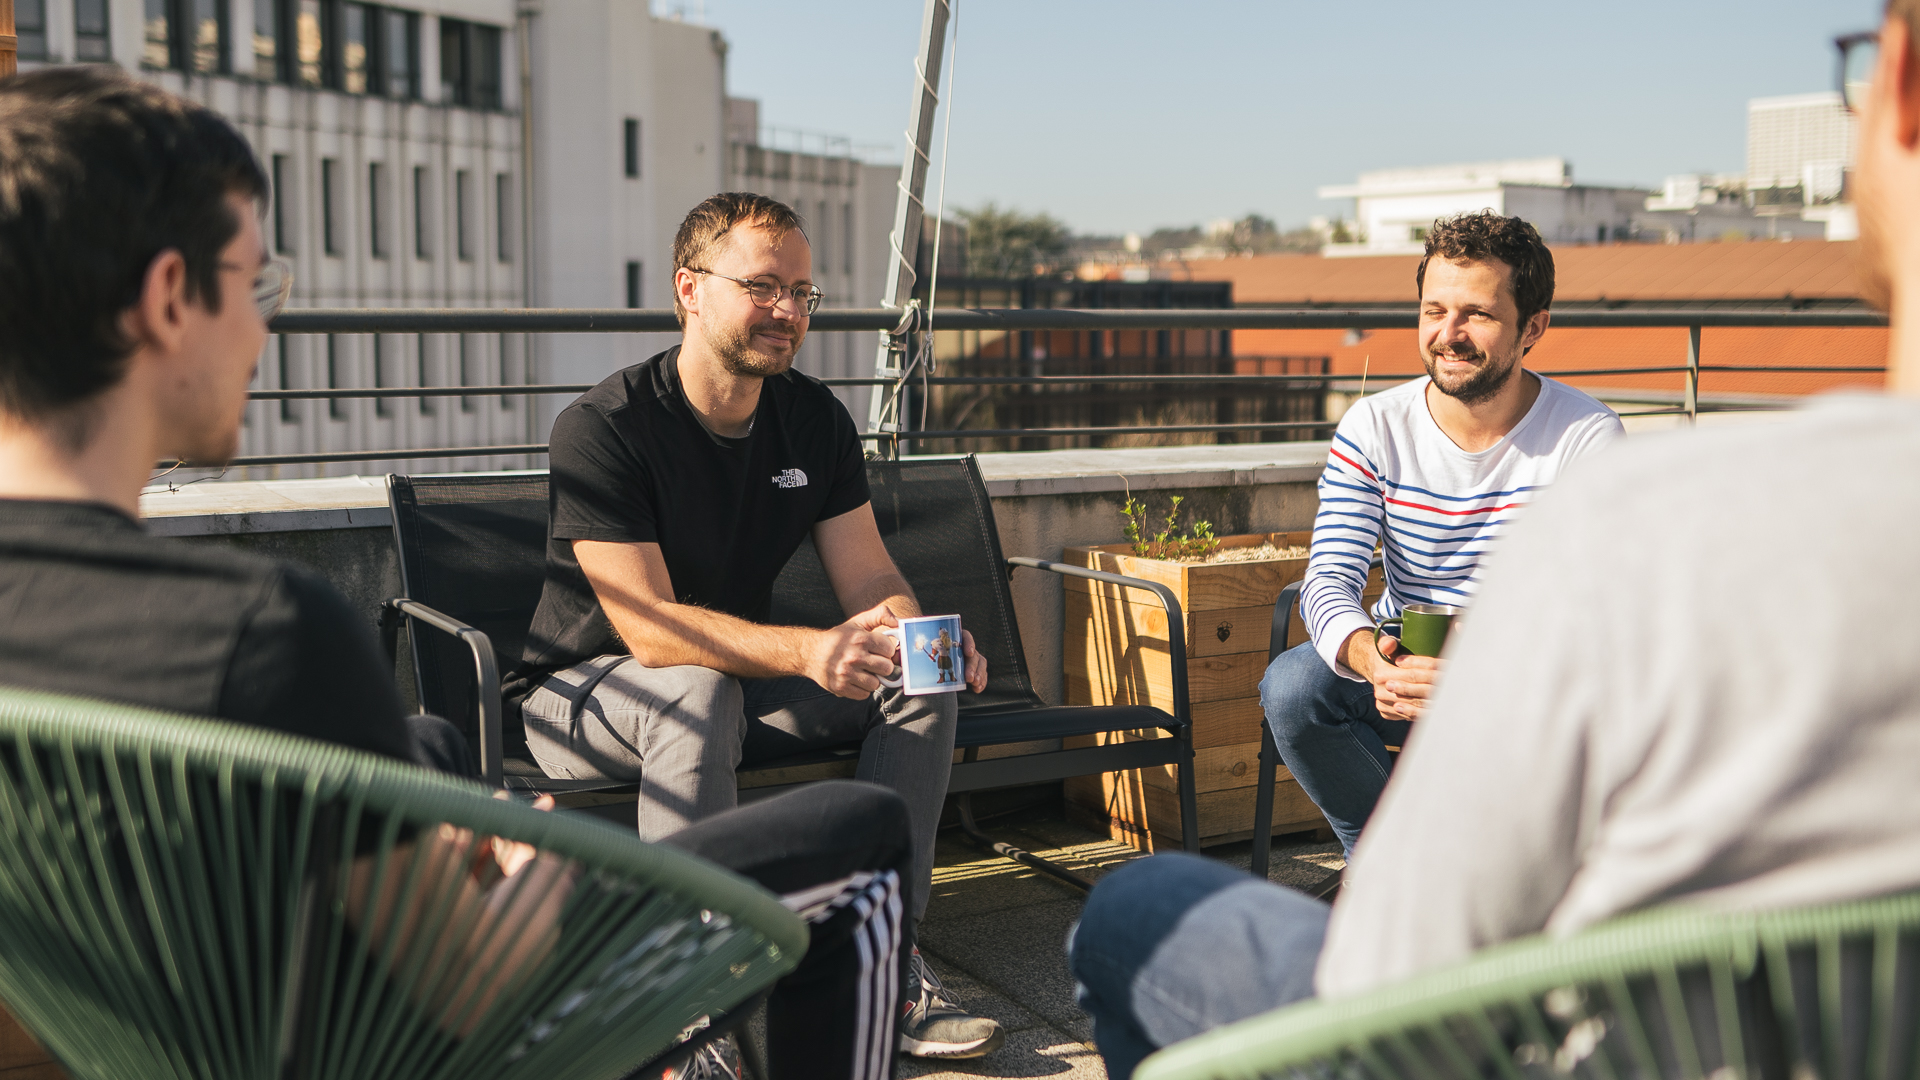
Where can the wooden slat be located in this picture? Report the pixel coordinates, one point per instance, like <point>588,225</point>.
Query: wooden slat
<point>1147,677</point>
<point>21,1058</point>
<point>1199,586</point>
<point>1149,818</point>
<point>1209,633</point>
<point>9,44</point>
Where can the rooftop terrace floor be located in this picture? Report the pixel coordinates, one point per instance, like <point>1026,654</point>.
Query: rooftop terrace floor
<point>996,933</point>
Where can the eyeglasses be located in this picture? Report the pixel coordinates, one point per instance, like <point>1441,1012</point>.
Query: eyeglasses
<point>272,284</point>
<point>766,294</point>
<point>1859,53</point>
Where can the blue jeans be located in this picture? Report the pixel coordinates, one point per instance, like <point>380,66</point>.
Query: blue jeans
<point>1175,945</point>
<point>1331,736</point>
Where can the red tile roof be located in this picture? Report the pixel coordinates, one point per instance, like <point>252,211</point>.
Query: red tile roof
<point>1754,270</point>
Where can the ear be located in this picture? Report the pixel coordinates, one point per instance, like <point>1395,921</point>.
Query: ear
<point>686,288</point>
<point>158,318</point>
<point>1898,70</point>
<point>1535,329</point>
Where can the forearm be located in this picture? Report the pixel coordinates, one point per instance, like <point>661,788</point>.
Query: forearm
<point>1361,653</point>
<point>672,635</point>
<point>887,588</point>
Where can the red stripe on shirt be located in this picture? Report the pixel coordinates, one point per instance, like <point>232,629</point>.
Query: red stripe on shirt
<point>1353,463</point>
<point>1455,513</point>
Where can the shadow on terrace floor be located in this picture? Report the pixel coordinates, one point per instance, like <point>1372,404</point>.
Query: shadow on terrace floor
<point>996,933</point>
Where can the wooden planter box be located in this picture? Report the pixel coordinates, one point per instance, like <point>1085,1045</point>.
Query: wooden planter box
<point>1115,652</point>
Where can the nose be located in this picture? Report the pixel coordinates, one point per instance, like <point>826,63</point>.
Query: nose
<point>787,306</point>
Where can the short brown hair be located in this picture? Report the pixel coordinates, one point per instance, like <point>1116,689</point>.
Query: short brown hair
<point>706,226</point>
<point>99,174</point>
<point>1484,235</point>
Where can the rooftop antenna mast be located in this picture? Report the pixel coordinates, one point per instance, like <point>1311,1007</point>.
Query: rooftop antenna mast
<point>884,412</point>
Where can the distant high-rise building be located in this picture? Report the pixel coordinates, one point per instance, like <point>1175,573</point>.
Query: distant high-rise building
<point>1802,141</point>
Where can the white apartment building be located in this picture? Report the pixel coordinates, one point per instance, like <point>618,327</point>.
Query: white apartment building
<point>846,205</point>
<point>393,134</point>
<point>1799,151</point>
<point>1393,208</point>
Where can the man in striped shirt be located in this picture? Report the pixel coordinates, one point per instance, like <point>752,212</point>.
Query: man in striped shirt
<point>1431,472</point>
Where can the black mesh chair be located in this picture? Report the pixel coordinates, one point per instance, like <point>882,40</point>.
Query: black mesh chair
<point>1278,642</point>
<point>473,557</point>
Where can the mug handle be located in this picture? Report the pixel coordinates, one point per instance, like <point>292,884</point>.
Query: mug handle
<point>900,645</point>
<point>1399,629</point>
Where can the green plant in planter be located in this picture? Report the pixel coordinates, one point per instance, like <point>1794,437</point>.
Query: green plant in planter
<point>1169,542</point>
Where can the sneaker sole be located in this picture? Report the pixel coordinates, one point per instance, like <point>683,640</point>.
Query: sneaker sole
<point>981,1048</point>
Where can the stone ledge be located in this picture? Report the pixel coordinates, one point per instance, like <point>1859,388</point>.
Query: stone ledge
<point>360,502</point>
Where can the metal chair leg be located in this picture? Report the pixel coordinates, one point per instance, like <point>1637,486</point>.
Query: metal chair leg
<point>964,804</point>
<point>1189,795</point>
<point>1263,802</point>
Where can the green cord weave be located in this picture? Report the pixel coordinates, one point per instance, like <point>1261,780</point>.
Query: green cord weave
<point>174,902</point>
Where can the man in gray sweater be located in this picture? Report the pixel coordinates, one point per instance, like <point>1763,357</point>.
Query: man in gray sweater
<point>1692,674</point>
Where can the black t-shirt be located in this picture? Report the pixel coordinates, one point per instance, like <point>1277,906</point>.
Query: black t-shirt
<point>91,605</point>
<point>631,463</point>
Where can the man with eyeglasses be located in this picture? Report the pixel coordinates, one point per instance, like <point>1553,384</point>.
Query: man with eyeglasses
<point>1642,710</point>
<point>680,487</point>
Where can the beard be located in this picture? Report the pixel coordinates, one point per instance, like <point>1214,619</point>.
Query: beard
<point>733,345</point>
<point>1481,384</point>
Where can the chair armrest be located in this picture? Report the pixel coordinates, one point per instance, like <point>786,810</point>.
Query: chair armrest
<point>486,673</point>
<point>1289,598</point>
<point>1176,621</point>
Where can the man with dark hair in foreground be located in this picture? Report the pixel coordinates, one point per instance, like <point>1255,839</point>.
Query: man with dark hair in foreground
<point>135,291</point>
<point>1641,710</point>
<point>1433,471</point>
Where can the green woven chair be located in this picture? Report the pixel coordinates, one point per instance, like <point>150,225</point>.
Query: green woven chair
<point>189,898</point>
<point>1829,992</point>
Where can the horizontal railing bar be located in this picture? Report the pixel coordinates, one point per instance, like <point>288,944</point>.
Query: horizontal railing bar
<point>420,391</point>
<point>1015,380</point>
<point>1143,429</point>
<point>624,320</point>
<point>394,454</point>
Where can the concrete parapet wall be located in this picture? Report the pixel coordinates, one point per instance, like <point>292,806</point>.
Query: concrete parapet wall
<point>1042,502</point>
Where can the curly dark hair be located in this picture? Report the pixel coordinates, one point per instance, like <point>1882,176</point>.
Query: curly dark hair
<point>99,174</point>
<point>1484,234</point>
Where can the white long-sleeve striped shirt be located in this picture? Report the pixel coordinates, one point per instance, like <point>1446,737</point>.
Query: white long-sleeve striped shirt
<point>1395,479</point>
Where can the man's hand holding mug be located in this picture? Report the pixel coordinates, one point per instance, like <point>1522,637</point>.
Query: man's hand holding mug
<point>1403,667</point>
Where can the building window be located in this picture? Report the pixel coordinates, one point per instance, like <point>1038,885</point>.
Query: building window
<point>846,239</point>
<point>266,41</point>
<point>381,406</point>
<point>420,377</point>
<point>462,242</point>
<point>633,284</point>
<point>823,229</point>
<point>90,39</point>
<point>310,40</point>
<point>329,208</point>
<point>359,23</point>
<point>288,413</point>
<point>400,43</point>
<point>422,203</point>
<point>282,212</point>
<point>469,64</point>
<point>633,148</point>
<point>188,35</point>
<point>336,408</point>
<point>377,210</point>
<point>466,375</point>
<point>30,28</point>
<point>502,217</point>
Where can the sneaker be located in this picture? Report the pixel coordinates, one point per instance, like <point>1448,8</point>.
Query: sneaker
<point>933,1027</point>
<point>718,1060</point>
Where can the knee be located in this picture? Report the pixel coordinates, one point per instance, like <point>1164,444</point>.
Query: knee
<point>1134,907</point>
<point>687,699</point>
<point>1292,684</point>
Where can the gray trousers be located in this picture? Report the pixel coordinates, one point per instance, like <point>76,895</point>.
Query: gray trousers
<point>682,731</point>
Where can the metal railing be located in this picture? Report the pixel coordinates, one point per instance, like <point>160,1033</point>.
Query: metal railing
<point>1014,321</point>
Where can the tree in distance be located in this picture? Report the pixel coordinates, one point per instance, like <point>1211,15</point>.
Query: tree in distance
<point>1010,244</point>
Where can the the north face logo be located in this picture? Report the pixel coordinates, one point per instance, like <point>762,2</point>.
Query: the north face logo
<point>790,478</point>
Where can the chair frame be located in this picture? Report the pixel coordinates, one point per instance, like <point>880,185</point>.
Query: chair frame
<point>969,775</point>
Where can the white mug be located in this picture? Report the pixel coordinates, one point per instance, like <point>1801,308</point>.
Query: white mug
<point>932,658</point>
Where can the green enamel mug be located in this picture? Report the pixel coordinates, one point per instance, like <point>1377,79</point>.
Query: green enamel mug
<point>1421,628</point>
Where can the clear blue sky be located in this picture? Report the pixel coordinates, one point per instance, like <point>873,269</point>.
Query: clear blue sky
<point>1125,115</point>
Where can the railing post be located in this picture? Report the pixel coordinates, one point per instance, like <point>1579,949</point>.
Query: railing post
<point>1693,375</point>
